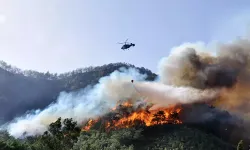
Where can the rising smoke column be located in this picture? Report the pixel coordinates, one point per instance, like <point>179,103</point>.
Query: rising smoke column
<point>192,65</point>
<point>228,70</point>
<point>237,98</point>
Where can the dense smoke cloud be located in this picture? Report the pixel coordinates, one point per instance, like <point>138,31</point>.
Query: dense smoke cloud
<point>193,65</point>
<point>188,66</point>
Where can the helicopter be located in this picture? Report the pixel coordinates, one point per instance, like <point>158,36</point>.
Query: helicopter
<point>126,45</point>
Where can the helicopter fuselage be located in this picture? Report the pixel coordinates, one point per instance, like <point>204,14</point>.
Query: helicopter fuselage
<point>126,46</point>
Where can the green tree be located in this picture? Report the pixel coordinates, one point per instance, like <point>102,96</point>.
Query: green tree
<point>115,140</point>
<point>61,135</point>
<point>240,145</point>
<point>55,127</point>
<point>70,132</point>
<point>13,144</point>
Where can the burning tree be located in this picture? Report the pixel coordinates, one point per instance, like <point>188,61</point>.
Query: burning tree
<point>126,116</point>
<point>174,117</point>
<point>159,118</point>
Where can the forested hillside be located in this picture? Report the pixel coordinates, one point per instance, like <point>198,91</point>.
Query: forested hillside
<point>65,135</point>
<point>26,90</point>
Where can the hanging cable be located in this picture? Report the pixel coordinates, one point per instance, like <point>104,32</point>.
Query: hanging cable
<point>138,91</point>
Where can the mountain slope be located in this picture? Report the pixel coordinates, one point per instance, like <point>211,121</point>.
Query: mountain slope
<point>181,137</point>
<point>161,137</point>
<point>21,91</point>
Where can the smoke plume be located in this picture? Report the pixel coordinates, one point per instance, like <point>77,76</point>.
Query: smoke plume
<point>164,96</point>
<point>194,66</point>
<point>189,66</point>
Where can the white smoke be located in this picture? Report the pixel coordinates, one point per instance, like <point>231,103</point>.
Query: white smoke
<point>88,103</point>
<point>163,96</point>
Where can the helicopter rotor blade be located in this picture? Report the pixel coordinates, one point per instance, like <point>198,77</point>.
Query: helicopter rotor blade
<point>126,41</point>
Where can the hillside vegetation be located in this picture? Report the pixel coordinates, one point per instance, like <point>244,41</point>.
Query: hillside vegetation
<point>65,135</point>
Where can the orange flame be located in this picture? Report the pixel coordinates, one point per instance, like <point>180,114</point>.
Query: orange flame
<point>149,118</point>
<point>127,104</point>
<point>89,124</point>
<point>140,117</point>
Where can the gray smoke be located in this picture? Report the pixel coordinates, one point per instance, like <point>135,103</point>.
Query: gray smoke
<point>190,65</point>
<point>228,70</point>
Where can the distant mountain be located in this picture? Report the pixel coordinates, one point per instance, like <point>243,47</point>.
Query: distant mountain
<point>23,90</point>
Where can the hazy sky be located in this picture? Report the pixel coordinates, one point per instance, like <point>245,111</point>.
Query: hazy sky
<point>62,35</point>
